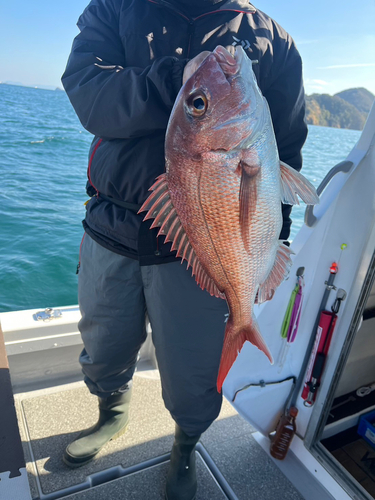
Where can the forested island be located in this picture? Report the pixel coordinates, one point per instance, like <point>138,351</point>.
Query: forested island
<point>347,109</point>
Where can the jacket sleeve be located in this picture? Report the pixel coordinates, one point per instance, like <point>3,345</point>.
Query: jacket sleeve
<point>286,98</point>
<point>110,99</point>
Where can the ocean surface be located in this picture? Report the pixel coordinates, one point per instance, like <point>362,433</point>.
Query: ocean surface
<point>43,162</point>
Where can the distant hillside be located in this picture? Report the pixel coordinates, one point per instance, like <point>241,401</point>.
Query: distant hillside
<point>360,98</point>
<point>347,109</point>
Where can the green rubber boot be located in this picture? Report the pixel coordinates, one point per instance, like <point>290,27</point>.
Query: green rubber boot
<point>182,477</point>
<point>112,423</point>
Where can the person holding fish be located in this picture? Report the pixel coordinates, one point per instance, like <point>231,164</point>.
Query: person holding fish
<point>179,96</point>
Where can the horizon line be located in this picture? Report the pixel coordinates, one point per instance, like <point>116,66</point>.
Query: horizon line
<point>54,89</point>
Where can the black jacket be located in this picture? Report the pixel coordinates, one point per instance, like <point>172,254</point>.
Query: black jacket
<point>122,77</point>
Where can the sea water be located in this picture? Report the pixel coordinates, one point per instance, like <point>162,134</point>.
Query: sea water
<point>43,163</point>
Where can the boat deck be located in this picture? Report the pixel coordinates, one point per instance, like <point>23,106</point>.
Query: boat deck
<point>231,464</point>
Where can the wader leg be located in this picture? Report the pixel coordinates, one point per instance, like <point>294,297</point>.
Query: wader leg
<point>188,330</point>
<point>112,304</point>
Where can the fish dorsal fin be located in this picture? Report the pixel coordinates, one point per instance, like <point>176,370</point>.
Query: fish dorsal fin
<point>160,208</point>
<point>277,274</point>
<point>293,183</point>
<point>248,195</point>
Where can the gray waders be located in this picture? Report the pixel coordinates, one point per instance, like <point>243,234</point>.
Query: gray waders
<point>115,293</point>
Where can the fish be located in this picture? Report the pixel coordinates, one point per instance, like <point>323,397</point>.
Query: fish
<point>219,200</point>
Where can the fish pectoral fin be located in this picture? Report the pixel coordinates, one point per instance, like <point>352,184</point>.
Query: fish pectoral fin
<point>278,273</point>
<point>248,195</point>
<point>160,208</point>
<point>233,343</point>
<point>293,183</point>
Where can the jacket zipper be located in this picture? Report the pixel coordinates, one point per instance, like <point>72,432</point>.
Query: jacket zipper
<point>190,36</point>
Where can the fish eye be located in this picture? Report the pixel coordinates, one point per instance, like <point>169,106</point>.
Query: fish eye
<point>197,104</point>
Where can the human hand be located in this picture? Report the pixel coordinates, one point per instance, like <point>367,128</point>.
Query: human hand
<point>193,65</point>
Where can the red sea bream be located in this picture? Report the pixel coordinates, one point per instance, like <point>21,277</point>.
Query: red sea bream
<point>219,200</point>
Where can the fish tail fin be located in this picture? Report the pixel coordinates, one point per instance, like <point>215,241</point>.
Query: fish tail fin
<point>233,341</point>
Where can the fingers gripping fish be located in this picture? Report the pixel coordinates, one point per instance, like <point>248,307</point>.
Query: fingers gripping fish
<point>219,200</point>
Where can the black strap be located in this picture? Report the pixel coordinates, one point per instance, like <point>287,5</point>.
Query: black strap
<point>123,204</point>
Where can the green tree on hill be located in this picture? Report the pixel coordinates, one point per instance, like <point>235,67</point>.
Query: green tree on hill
<point>347,109</point>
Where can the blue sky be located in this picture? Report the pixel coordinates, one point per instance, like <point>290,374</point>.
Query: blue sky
<point>335,38</point>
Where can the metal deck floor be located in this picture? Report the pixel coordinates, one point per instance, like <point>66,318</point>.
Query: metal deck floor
<point>231,464</point>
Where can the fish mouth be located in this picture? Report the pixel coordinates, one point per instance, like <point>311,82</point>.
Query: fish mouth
<point>228,62</point>
<point>239,73</point>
